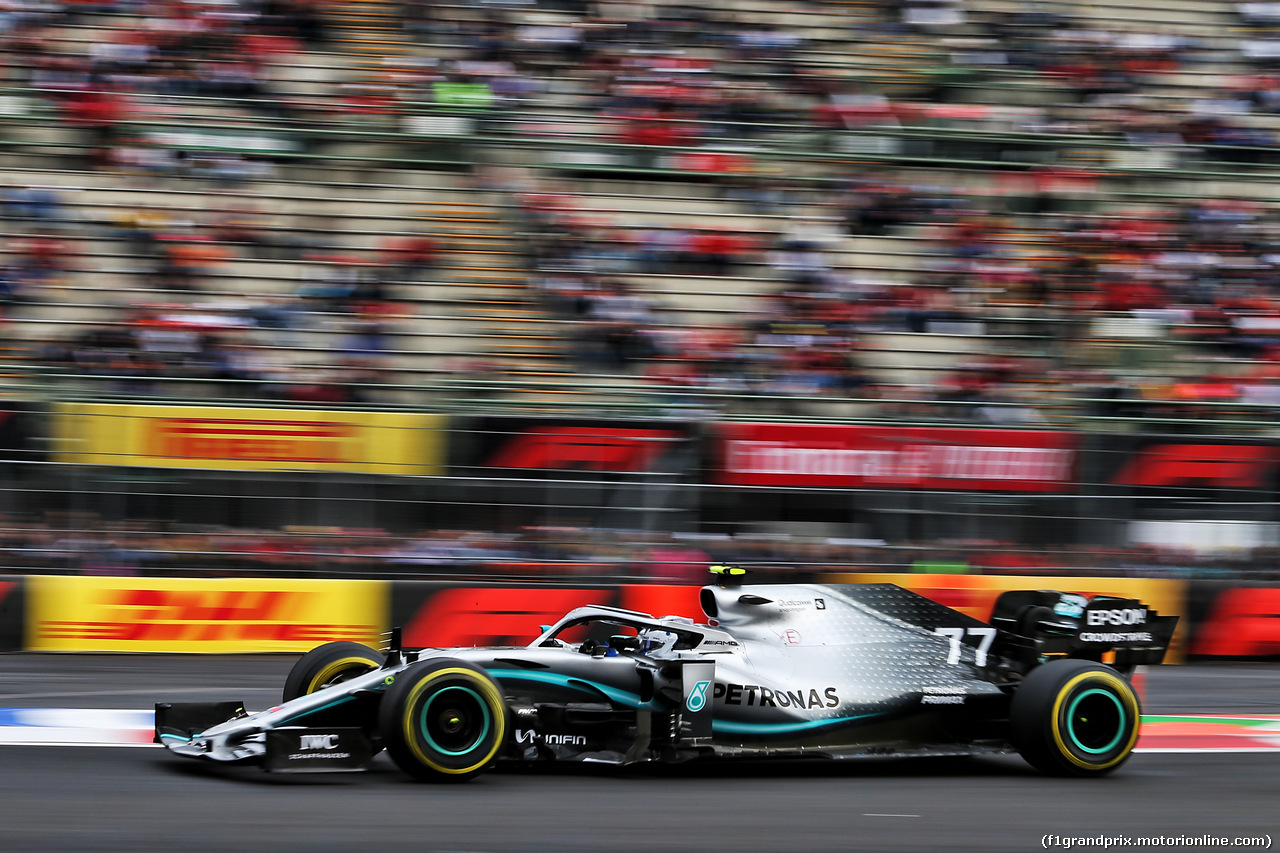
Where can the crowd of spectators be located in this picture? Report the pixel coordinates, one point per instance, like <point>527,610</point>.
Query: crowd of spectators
<point>686,77</point>
<point>83,543</point>
<point>662,75</point>
<point>1042,251</point>
<point>582,265</point>
<point>179,320</point>
<point>209,350</point>
<point>1197,271</point>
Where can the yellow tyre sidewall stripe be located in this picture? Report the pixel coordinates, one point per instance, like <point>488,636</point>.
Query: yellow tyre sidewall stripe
<point>1126,695</point>
<point>482,686</point>
<point>336,668</point>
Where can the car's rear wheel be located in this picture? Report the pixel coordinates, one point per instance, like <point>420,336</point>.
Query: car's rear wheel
<point>1075,718</point>
<point>329,664</point>
<point>443,720</point>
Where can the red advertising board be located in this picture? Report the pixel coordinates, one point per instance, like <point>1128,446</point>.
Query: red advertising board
<point>539,444</point>
<point>753,454</point>
<point>440,615</point>
<point>583,448</point>
<point>1172,464</point>
<point>1241,621</point>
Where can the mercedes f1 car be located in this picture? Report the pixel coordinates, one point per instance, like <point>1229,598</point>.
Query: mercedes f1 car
<point>794,670</point>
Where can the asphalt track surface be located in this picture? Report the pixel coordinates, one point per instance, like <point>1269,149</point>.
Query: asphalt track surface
<point>76,798</point>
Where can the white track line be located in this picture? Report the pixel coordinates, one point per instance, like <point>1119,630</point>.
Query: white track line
<point>76,727</point>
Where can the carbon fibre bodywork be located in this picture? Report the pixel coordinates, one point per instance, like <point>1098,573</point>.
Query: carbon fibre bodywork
<point>776,670</point>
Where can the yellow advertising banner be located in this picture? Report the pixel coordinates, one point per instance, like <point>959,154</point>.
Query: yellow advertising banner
<point>90,614</point>
<point>975,595</point>
<point>239,439</point>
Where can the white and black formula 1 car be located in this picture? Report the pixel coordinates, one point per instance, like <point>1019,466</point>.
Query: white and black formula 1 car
<point>786,670</point>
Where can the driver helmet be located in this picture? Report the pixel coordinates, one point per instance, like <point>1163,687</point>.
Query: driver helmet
<point>654,641</point>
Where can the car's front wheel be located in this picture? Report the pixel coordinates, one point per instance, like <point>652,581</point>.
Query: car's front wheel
<point>443,720</point>
<point>329,664</point>
<point>1075,717</point>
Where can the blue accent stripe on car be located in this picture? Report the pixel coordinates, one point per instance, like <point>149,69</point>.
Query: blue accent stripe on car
<point>732,727</point>
<point>622,697</point>
<point>332,704</point>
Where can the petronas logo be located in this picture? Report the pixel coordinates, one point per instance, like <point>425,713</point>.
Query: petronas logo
<point>697,697</point>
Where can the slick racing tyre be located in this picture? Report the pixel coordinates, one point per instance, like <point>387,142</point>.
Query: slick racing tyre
<point>1074,718</point>
<point>329,664</point>
<point>443,720</point>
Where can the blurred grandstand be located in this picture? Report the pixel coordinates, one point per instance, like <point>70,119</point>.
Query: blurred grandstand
<point>952,214</point>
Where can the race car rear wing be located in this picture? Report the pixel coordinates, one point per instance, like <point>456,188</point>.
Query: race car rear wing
<point>1049,622</point>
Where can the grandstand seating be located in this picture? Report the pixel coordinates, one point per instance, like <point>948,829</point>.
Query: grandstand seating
<point>472,323</point>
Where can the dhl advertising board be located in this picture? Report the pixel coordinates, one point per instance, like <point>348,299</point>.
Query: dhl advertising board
<point>239,439</point>
<point>975,595</point>
<point>217,615</point>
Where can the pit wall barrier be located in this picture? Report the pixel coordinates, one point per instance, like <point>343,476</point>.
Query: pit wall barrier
<point>246,615</point>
